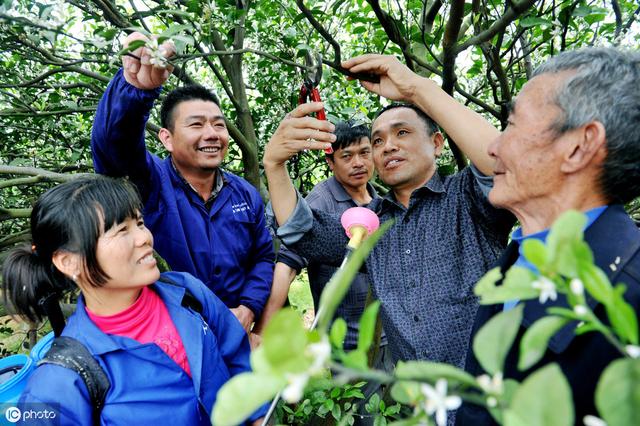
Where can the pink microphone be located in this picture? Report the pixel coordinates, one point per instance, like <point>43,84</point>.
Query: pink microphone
<point>359,222</point>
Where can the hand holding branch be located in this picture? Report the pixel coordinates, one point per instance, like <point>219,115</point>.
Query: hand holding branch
<point>397,81</point>
<point>146,67</point>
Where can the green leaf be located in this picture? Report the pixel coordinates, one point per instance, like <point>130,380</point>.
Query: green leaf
<point>392,410</point>
<point>487,282</point>
<point>372,405</point>
<point>355,359</point>
<point>582,10</point>
<point>242,395</point>
<point>338,331</point>
<point>595,17</point>
<point>379,421</point>
<point>329,403</point>
<point>618,393</point>
<point>407,393</point>
<point>368,326</point>
<point>336,412</point>
<point>353,393</point>
<point>622,316</point>
<point>535,252</point>
<point>492,343</point>
<point>135,44</point>
<point>432,371</point>
<point>421,420</point>
<point>516,286</point>
<point>565,235</point>
<point>335,392</point>
<point>285,330</point>
<point>535,22</point>
<point>173,29</point>
<point>596,283</point>
<point>339,284</point>
<point>543,399</point>
<point>534,342</point>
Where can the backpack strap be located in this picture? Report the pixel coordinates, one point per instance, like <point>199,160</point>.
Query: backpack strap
<point>189,300</point>
<point>69,353</point>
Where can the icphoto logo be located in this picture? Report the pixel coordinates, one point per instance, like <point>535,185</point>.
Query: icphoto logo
<point>13,414</point>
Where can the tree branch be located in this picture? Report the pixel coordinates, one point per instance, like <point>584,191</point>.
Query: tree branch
<point>515,10</point>
<point>14,113</point>
<point>35,171</point>
<point>391,27</point>
<point>449,42</point>
<point>6,214</point>
<point>632,18</point>
<point>321,30</point>
<point>616,11</point>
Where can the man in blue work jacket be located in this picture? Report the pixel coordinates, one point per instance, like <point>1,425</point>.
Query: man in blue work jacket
<point>205,221</point>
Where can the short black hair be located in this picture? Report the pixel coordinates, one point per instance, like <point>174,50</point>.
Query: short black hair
<point>71,217</point>
<point>430,126</point>
<point>190,92</point>
<point>348,133</point>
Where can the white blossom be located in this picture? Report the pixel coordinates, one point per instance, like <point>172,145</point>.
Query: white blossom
<point>438,402</point>
<point>633,351</point>
<point>293,392</point>
<point>580,310</point>
<point>593,421</point>
<point>321,352</point>
<point>577,287</point>
<point>492,385</point>
<point>547,289</point>
<point>158,57</point>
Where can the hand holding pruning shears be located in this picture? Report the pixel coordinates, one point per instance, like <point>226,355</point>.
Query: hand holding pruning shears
<point>309,89</point>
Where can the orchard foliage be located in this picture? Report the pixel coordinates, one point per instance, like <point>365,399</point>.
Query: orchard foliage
<point>56,59</point>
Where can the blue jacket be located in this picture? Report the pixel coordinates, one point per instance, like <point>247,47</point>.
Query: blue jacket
<point>147,386</point>
<point>226,244</point>
<point>615,242</point>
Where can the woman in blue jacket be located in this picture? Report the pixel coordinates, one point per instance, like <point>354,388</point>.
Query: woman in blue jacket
<point>165,360</point>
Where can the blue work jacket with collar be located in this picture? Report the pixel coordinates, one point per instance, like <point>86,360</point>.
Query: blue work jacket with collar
<point>147,386</point>
<point>224,242</point>
<point>614,240</point>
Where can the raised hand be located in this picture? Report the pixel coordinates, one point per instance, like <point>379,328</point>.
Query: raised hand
<point>397,82</point>
<point>150,70</point>
<point>298,132</point>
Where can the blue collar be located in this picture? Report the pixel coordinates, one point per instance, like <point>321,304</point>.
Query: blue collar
<point>517,236</point>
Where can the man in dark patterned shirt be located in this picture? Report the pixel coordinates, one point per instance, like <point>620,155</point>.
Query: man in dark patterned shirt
<point>446,234</point>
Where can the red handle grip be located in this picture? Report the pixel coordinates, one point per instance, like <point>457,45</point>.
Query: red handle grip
<point>320,115</point>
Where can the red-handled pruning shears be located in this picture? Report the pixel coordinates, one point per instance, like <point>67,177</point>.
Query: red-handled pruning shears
<point>309,88</point>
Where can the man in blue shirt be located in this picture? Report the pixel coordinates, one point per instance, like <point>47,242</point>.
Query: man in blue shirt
<point>205,221</point>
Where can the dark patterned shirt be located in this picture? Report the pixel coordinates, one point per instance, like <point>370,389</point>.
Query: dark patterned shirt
<point>424,268</point>
<point>331,197</point>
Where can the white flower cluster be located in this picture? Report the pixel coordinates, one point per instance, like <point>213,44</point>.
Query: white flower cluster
<point>438,402</point>
<point>492,386</point>
<point>321,353</point>
<point>547,289</point>
<point>158,53</point>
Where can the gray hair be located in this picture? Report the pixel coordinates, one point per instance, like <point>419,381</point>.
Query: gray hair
<point>605,88</point>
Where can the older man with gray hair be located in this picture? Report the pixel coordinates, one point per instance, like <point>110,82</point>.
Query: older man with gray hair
<point>572,143</point>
